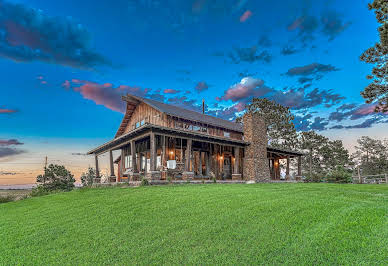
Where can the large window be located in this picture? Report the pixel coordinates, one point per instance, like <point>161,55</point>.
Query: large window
<point>128,161</point>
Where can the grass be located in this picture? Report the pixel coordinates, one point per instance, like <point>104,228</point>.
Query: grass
<point>200,224</point>
<point>7,195</point>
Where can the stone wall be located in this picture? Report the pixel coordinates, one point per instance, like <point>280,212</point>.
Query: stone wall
<point>255,159</point>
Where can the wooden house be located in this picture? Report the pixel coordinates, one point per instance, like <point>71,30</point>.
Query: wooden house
<point>159,141</point>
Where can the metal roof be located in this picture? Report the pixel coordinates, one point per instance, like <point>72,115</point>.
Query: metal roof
<point>190,115</point>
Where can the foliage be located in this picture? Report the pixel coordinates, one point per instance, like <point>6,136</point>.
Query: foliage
<point>314,177</point>
<point>41,191</point>
<point>325,155</point>
<point>144,182</point>
<point>281,130</point>
<point>371,156</point>
<point>88,177</point>
<point>6,198</point>
<point>339,175</point>
<point>378,56</point>
<point>321,224</point>
<point>56,177</point>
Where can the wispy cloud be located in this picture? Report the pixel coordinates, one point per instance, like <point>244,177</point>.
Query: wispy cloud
<point>31,35</point>
<point>7,111</point>
<point>244,17</point>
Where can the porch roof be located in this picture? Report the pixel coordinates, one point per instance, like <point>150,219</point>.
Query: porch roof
<point>198,136</point>
<point>284,152</point>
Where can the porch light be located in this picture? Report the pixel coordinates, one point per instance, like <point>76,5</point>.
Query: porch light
<point>171,152</point>
<point>221,157</point>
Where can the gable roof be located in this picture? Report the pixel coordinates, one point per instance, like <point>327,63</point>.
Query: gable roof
<point>183,113</point>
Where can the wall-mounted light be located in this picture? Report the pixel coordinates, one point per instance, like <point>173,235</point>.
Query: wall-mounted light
<point>221,157</point>
<point>171,152</point>
<point>276,163</point>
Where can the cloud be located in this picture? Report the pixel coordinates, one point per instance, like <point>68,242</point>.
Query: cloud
<point>264,41</point>
<point>6,150</point>
<point>28,35</point>
<point>7,173</point>
<point>248,87</point>
<point>78,154</point>
<point>105,94</point>
<point>303,80</point>
<point>201,86</point>
<point>306,26</point>
<point>170,91</point>
<point>298,99</point>
<point>333,24</point>
<point>249,55</point>
<point>288,50</point>
<point>354,112</point>
<point>7,111</point>
<point>311,69</point>
<point>229,113</point>
<point>10,142</point>
<point>247,14</point>
<point>319,124</point>
<point>184,102</point>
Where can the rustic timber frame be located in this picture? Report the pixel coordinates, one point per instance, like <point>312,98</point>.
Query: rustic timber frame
<point>153,135</point>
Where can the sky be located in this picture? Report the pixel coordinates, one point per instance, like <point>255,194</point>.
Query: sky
<point>65,64</point>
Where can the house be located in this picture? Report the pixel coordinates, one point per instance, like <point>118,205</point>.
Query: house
<point>159,141</point>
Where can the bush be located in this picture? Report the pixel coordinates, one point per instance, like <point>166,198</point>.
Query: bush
<point>144,182</point>
<point>56,177</point>
<point>88,177</point>
<point>314,178</point>
<point>5,199</point>
<point>40,191</point>
<point>339,175</point>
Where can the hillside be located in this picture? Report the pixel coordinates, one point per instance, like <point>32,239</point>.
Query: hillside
<point>200,224</point>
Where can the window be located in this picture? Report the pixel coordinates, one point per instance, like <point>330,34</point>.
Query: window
<point>226,134</point>
<point>204,129</point>
<point>188,126</point>
<point>128,161</point>
<point>142,122</point>
<point>196,128</point>
<point>178,124</point>
<point>137,125</point>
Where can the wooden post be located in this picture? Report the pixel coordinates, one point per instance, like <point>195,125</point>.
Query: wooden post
<point>152,152</point>
<point>236,160</point>
<point>122,162</point>
<point>299,166</point>
<point>207,165</point>
<point>133,155</point>
<point>97,169</point>
<point>112,168</point>
<point>200,164</point>
<point>288,168</point>
<point>188,156</point>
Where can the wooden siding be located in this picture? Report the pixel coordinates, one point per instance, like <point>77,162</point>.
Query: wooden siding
<point>155,117</point>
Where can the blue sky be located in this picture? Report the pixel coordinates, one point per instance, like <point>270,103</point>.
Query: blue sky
<point>64,65</point>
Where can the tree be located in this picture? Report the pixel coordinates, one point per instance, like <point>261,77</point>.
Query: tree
<point>88,177</point>
<point>56,177</point>
<point>280,128</point>
<point>371,156</point>
<point>377,91</point>
<point>323,155</point>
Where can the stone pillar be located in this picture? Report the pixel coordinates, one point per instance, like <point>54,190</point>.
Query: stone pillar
<point>153,174</point>
<point>299,167</point>
<point>112,177</point>
<point>97,179</point>
<point>188,173</point>
<point>288,168</point>
<point>255,161</point>
<point>236,171</point>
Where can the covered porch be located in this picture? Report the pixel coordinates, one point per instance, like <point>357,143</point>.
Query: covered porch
<point>275,155</point>
<point>161,153</point>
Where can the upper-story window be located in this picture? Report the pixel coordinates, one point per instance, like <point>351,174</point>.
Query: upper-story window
<point>226,134</point>
<point>196,128</point>
<point>142,122</point>
<point>178,124</point>
<point>204,129</point>
<point>137,124</point>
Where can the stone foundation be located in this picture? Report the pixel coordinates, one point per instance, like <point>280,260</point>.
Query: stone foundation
<point>153,175</point>
<point>187,175</point>
<point>236,176</point>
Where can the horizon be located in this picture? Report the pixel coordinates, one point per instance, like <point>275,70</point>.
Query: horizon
<point>66,64</point>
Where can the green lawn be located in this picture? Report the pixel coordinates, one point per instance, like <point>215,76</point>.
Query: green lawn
<point>200,224</point>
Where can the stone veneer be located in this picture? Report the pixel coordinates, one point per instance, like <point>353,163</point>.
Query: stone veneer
<point>255,159</point>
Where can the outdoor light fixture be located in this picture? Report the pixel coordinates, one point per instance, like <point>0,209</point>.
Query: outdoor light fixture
<point>171,152</point>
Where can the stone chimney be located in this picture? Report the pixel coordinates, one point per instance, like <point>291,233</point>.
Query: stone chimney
<point>256,165</point>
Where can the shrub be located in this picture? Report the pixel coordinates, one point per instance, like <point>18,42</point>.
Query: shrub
<point>88,177</point>
<point>339,175</point>
<point>56,177</point>
<point>144,182</point>
<point>314,177</point>
<point>40,191</point>
<point>7,198</point>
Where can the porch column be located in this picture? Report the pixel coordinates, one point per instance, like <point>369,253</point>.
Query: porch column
<point>97,169</point>
<point>122,162</point>
<point>133,155</point>
<point>207,165</point>
<point>152,152</point>
<point>112,168</point>
<point>299,167</point>
<point>288,168</point>
<point>236,171</point>
<point>200,164</point>
<point>188,174</point>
